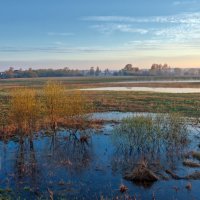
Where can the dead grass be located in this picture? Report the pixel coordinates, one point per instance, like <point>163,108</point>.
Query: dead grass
<point>142,173</point>
<point>190,163</point>
<point>196,155</point>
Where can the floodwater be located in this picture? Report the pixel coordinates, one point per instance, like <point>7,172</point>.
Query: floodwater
<point>65,168</point>
<point>162,81</point>
<point>146,89</point>
<point>117,116</point>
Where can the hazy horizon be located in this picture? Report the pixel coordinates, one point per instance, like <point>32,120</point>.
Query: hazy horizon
<point>48,34</point>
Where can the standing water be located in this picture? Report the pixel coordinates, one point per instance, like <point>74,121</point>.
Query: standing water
<point>146,89</point>
<point>64,167</point>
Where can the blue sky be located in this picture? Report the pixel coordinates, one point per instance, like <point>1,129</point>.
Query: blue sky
<point>107,33</point>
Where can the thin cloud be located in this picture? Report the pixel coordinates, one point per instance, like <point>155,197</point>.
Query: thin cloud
<point>179,3</point>
<point>182,32</point>
<point>179,28</point>
<point>180,18</point>
<point>55,49</point>
<point>171,46</point>
<point>126,28</point>
<point>59,34</point>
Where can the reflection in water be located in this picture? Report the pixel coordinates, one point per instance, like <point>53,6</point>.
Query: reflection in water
<point>70,151</point>
<point>26,165</point>
<point>36,164</point>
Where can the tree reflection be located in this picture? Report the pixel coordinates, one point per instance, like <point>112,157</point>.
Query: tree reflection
<point>72,150</point>
<point>26,165</point>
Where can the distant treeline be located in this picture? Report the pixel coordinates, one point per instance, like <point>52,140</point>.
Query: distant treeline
<point>31,73</point>
<point>128,70</point>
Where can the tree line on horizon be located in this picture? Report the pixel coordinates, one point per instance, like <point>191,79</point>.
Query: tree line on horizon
<point>128,70</point>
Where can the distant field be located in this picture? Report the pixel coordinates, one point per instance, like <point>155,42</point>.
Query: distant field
<point>82,82</point>
<point>187,104</point>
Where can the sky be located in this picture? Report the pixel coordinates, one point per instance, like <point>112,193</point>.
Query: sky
<point>105,33</point>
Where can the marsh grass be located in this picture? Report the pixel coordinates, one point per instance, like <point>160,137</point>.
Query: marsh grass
<point>144,131</point>
<point>160,139</point>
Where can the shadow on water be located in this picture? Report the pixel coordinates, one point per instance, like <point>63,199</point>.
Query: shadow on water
<point>92,164</point>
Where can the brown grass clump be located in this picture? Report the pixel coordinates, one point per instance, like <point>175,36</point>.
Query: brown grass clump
<point>123,188</point>
<point>188,186</point>
<point>190,163</point>
<point>194,176</point>
<point>142,173</point>
<point>84,139</point>
<point>173,175</point>
<point>196,155</point>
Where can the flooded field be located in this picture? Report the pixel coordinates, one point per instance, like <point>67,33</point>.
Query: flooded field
<point>147,89</point>
<point>67,166</point>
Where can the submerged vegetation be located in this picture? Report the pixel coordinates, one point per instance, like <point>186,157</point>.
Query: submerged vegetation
<point>150,134</point>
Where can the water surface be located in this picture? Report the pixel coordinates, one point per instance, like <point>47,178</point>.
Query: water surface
<point>146,89</point>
